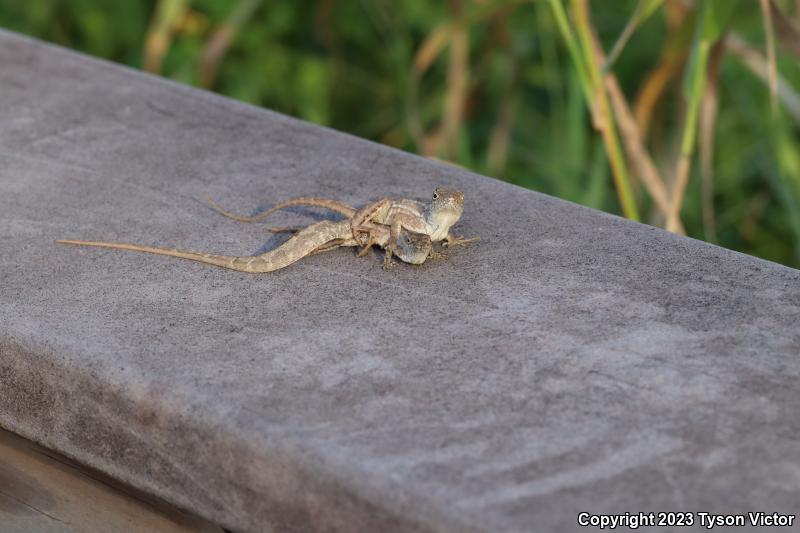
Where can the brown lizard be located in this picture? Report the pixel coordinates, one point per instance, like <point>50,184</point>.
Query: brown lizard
<point>434,219</point>
<point>322,236</point>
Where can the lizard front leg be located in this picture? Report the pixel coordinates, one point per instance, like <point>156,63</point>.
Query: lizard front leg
<point>391,247</point>
<point>387,260</point>
<point>397,223</point>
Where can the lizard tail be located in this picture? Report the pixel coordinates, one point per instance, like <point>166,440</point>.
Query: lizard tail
<point>242,264</point>
<point>325,203</point>
<point>300,245</point>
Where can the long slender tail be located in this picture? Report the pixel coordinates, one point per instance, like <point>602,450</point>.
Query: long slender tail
<point>242,264</point>
<point>325,203</point>
<point>299,246</point>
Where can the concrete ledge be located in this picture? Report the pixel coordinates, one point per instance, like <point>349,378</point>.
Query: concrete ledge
<point>571,361</point>
<point>43,492</point>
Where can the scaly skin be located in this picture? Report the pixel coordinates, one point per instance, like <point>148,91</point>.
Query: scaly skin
<point>321,236</point>
<point>434,219</point>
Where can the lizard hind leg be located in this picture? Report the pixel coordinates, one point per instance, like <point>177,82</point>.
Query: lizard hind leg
<point>361,222</point>
<point>332,245</point>
<point>365,238</point>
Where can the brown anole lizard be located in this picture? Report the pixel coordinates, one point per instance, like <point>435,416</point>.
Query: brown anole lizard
<point>434,219</point>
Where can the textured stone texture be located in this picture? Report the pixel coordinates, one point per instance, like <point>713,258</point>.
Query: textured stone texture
<point>571,361</point>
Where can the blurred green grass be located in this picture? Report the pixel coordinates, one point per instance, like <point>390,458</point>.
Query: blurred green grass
<point>492,85</point>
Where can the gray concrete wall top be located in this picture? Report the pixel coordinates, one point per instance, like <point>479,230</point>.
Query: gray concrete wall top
<point>570,361</point>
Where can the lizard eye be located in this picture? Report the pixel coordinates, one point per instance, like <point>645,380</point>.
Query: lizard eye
<point>436,196</point>
<point>408,240</point>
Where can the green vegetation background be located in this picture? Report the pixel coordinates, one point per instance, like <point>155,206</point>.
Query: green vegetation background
<point>485,84</point>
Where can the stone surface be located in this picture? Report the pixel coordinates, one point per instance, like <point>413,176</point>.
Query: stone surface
<point>571,361</point>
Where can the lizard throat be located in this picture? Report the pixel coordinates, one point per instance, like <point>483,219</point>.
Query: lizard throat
<point>441,223</point>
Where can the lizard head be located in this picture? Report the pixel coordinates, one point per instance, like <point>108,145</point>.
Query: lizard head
<point>413,248</point>
<point>446,208</point>
<point>448,199</point>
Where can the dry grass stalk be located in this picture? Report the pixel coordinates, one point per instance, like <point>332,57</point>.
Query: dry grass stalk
<point>221,40</point>
<point>788,34</point>
<point>500,138</point>
<point>634,142</point>
<point>166,16</point>
<point>679,191</point>
<point>757,63</point>
<point>457,86</point>
<point>670,64</point>
<point>601,112</point>
<point>771,61</point>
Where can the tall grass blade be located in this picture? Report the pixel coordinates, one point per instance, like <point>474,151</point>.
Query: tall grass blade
<point>432,46</point>
<point>603,117</point>
<point>634,144</point>
<point>672,58</point>
<point>715,16</point>
<point>643,10</point>
<point>787,32</point>
<point>453,33</point>
<point>221,40</point>
<point>159,35</point>
<point>771,61</point>
<point>572,46</point>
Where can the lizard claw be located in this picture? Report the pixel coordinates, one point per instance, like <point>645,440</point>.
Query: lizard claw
<point>283,230</point>
<point>459,241</point>
<point>437,255</point>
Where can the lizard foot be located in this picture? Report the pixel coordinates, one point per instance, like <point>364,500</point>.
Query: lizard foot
<point>364,240</point>
<point>388,264</point>
<point>437,255</point>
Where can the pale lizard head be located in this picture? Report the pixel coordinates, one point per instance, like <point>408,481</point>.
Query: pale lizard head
<point>445,209</point>
<point>413,248</point>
